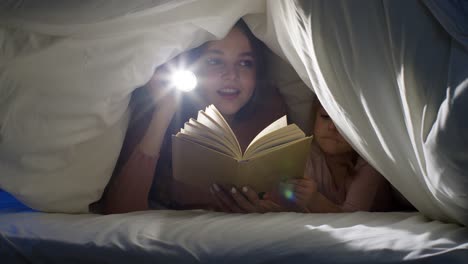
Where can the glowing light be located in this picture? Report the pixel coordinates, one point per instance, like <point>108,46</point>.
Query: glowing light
<point>184,80</point>
<point>289,194</point>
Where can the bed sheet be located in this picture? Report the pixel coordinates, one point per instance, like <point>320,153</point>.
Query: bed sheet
<point>209,237</point>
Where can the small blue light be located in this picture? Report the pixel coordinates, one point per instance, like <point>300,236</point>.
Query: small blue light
<point>289,194</point>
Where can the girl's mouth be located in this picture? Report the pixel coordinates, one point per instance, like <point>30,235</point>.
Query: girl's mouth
<point>228,93</point>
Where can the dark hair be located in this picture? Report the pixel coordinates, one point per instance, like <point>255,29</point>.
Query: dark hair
<point>259,50</point>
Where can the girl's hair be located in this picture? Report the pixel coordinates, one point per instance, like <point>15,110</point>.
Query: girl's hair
<point>316,105</point>
<point>259,50</point>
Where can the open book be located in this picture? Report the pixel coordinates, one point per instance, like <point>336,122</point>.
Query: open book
<point>206,151</point>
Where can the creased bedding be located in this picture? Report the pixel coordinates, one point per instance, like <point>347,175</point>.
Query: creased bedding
<point>198,236</point>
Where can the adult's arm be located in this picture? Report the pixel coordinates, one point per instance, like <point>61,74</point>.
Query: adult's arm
<point>129,189</point>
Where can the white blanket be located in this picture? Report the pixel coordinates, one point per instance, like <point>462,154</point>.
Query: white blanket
<point>395,81</point>
<point>197,236</point>
<point>67,71</point>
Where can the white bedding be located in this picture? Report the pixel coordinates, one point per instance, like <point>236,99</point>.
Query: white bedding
<point>198,236</point>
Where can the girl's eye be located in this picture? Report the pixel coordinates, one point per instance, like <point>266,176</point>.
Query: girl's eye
<point>324,116</point>
<point>213,61</point>
<point>246,63</point>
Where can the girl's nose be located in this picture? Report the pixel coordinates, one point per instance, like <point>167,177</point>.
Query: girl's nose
<point>230,73</point>
<point>331,126</point>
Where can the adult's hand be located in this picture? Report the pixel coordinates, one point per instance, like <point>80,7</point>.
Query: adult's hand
<point>164,96</point>
<point>242,200</point>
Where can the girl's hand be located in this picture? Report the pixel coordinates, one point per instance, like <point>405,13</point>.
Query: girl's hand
<point>305,190</point>
<point>166,100</point>
<point>242,200</point>
<point>164,96</point>
<point>295,194</point>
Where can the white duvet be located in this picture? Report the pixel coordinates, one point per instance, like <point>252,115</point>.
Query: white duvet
<point>197,236</point>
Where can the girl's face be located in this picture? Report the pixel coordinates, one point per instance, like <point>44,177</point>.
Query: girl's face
<point>227,73</point>
<point>327,136</point>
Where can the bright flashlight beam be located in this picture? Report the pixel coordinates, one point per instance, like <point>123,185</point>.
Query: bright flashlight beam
<point>184,80</point>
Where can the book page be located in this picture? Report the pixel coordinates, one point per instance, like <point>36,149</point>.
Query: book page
<point>230,138</point>
<point>196,127</point>
<point>304,140</point>
<point>281,122</point>
<point>279,136</point>
<point>209,122</point>
<point>204,142</point>
<point>282,132</point>
<point>213,112</point>
<point>273,144</point>
<point>199,131</point>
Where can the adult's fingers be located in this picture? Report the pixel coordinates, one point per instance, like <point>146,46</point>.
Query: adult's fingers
<point>226,200</point>
<point>220,205</point>
<point>243,202</point>
<point>250,194</point>
<point>269,206</point>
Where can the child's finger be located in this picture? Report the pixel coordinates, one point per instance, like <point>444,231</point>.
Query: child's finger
<point>300,198</point>
<point>303,190</point>
<point>304,182</point>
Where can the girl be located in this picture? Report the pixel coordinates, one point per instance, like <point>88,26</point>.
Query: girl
<point>336,179</point>
<point>231,76</point>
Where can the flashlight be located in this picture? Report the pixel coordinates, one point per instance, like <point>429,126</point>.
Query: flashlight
<point>184,80</point>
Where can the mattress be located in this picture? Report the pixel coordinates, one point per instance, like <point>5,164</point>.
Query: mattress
<point>166,236</point>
